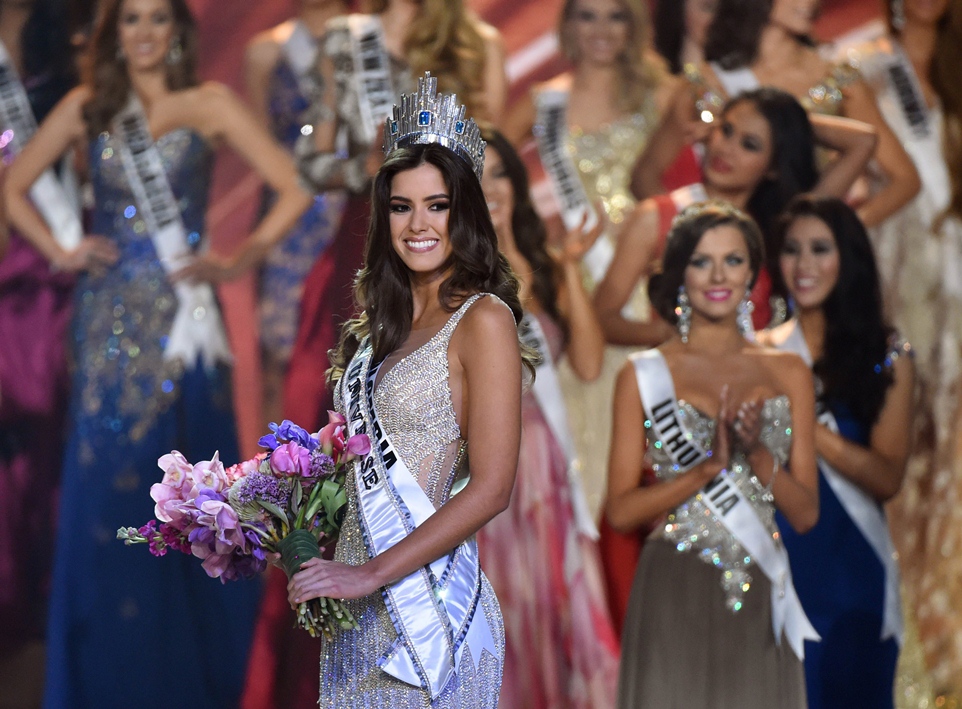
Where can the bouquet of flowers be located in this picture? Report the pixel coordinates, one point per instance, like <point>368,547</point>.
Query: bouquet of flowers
<point>288,501</point>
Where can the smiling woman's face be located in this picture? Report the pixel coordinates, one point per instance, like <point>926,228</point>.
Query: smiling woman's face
<point>718,272</point>
<point>420,204</point>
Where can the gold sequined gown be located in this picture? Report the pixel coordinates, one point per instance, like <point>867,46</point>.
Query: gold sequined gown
<point>698,632</point>
<point>413,404</point>
<point>604,159</point>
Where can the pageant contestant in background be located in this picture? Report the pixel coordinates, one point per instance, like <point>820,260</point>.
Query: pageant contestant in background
<point>541,554</point>
<point>36,70</point>
<point>754,43</point>
<point>151,357</point>
<point>714,620</point>
<point>845,569</point>
<point>367,62</point>
<point>759,154</point>
<point>591,124</point>
<point>283,86</point>
<point>681,29</point>
<point>432,370</point>
<point>914,70</point>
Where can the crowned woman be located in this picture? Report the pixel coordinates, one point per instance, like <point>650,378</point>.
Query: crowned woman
<point>432,370</point>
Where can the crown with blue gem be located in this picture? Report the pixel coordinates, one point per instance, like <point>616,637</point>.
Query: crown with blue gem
<point>428,117</point>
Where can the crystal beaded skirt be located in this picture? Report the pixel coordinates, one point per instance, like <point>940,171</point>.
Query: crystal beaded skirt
<point>682,647</point>
<point>350,675</point>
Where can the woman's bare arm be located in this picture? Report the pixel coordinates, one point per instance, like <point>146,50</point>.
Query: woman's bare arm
<point>878,468</point>
<point>854,141</point>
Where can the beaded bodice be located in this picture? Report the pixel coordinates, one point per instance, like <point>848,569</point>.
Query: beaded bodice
<point>605,158</point>
<point>692,527</point>
<point>123,316</point>
<point>413,404</point>
<point>287,105</point>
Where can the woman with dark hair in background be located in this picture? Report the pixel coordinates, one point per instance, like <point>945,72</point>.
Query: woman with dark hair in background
<point>914,70</point>
<point>283,86</point>
<point>591,124</point>
<point>151,358</point>
<point>754,43</point>
<point>36,70</point>
<point>760,153</point>
<point>845,568</point>
<point>727,427</point>
<point>681,28</point>
<point>432,371</point>
<point>541,553</point>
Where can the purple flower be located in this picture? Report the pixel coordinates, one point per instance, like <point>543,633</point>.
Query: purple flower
<point>289,431</point>
<point>268,441</point>
<point>322,465</point>
<point>258,486</point>
<point>291,459</point>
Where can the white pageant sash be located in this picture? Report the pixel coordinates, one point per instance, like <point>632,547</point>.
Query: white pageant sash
<point>904,85</point>
<point>435,609</point>
<point>300,50</point>
<point>724,499</point>
<point>547,391</point>
<point>735,81</point>
<point>864,511</point>
<point>551,127</point>
<point>198,330</point>
<point>47,193</point>
<point>372,73</point>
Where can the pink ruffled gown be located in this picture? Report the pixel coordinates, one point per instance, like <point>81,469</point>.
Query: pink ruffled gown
<point>561,648</point>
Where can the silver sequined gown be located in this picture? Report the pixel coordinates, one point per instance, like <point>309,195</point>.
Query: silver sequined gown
<point>699,631</point>
<point>413,404</point>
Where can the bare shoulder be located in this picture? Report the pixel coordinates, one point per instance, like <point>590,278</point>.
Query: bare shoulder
<point>560,82</point>
<point>264,49</point>
<point>786,369</point>
<point>486,318</point>
<point>73,102</point>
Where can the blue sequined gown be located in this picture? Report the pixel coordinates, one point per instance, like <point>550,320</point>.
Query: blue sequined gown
<point>841,583</point>
<point>128,630</point>
<point>287,265</point>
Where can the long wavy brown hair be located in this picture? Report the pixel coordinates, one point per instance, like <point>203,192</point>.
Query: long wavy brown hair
<point>945,79</point>
<point>105,71</point>
<point>383,286</point>
<point>642,70</point>
<point>444,39</point>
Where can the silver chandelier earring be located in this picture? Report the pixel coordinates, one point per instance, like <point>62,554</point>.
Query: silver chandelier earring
<point>897,8</point>
<point>744,319</point>
<point>683,313</point>
<point>175,52</point>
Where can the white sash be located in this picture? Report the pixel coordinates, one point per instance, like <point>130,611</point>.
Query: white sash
<point>435,609</point>
<point>688,195</point>
<point>198,330</point>
<point>372,73</point>
<point>547,390</point>
<point>47,193</point>
<point>735,81</point>
<point>904,84</point>
<point>724,498</point>
<point>865,512</point>
<point>300,50</point>
<point>550,130</point>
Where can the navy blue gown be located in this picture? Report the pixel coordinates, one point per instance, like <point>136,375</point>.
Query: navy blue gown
<point>127,629</point>
<point>841,583</point>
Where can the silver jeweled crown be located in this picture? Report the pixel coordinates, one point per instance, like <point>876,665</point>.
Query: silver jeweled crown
<point>429,117</point>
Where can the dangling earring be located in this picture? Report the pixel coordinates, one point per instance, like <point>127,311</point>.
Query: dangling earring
<point>898,14</point>
<point>683,313</point>
<point>175,52</point>
<point>744,318</point>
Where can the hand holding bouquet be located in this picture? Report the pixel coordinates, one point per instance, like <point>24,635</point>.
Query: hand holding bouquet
<point>287,501</point>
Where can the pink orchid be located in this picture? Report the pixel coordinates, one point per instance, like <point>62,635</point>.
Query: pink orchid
<point>210,474</point>
<point>177,470</point>
<point>291,459</point>
<point>216,565</point>
<point>359,444</point>
<point>223,520</point>
<point>331,437</point>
